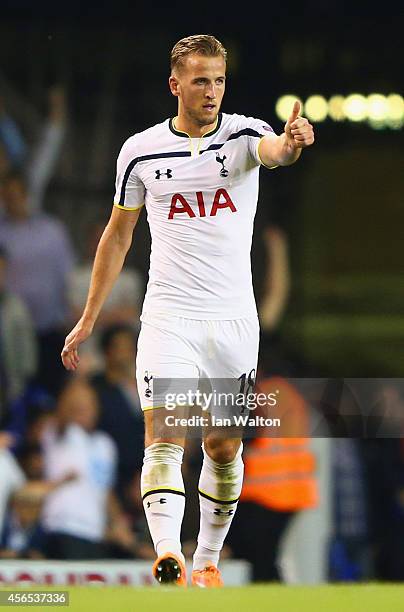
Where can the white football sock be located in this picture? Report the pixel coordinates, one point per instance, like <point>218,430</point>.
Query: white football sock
<point>163,495</point>
<point>219,489</point>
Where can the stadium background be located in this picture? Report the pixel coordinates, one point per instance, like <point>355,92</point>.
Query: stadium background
<point>340,206</point>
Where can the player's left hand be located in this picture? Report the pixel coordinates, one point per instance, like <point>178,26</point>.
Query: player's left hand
<point>70,354</point>
<point>299,132</point>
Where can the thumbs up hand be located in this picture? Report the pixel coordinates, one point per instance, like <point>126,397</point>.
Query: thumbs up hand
<point>299,132</point>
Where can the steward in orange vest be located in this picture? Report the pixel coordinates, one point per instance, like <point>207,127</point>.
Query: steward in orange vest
<point>279,467</point>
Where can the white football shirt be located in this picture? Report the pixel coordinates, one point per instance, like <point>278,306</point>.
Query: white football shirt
<point>201,197</point>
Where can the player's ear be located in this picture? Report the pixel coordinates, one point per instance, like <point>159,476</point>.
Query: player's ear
<point>174,85</point>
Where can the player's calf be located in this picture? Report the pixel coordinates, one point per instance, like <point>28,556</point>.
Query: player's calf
<point>219,491</point>
<point>163,497</point>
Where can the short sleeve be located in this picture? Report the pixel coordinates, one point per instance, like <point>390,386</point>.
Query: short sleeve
<point>258,129</point>
<point>129,189</point>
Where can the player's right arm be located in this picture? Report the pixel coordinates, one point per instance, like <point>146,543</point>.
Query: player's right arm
<point>111,252</point>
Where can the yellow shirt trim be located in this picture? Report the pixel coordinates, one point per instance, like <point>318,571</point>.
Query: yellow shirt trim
<point>190,137</point>
<point>127,207</point>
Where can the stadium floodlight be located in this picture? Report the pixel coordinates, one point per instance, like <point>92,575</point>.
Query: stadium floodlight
<point>378,107</point>
<point>395,105</point>
<point>336,108</point>
<point>316,108</point>
<point>378,110</point>
<point>395,114</point>
<point>284,106</point>
<point>356,107</point>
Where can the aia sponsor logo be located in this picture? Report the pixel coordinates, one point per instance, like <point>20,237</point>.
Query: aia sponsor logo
<point>221,200</point>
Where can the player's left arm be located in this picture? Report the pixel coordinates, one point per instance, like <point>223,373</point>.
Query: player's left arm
<point>285,149</point>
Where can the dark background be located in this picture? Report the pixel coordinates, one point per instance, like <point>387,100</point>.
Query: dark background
<point>342,204</point>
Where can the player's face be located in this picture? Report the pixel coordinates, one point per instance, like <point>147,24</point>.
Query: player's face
<point>200,85</point>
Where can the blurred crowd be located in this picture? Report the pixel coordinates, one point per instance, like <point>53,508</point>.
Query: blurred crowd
<point>71,448</point>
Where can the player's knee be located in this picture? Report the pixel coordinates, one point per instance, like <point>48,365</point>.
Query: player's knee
<point>153,426</point>
<point>151,439</point>
<point>221,451</point>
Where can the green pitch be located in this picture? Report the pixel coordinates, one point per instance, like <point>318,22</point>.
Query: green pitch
<point>260,598</point>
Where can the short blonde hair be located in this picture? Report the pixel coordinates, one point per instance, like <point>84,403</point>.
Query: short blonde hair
<point>202,44</point>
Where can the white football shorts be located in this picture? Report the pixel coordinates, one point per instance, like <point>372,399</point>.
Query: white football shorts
<point>178,356</point>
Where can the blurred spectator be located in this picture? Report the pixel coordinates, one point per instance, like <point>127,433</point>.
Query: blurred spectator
<point>12,145</point>
<point>22,535</point>
<point>76,515</point>
<point>39,260</point>
<point>144,548</point>
<point>384,459</point>
<point>30,458</point>
<point>121,539</point>
<point>124,301</point>
<point>18,350</point>
<point>28,417</point>
<point>5,165</point>
<point>11,475</point>
<point>279,480</point>
<point>44,156</point>
<point>277,278</point>
<point>120,415</point>
<point>275,354</point>
<point>11,142</point>
<point>121,307</point>
<point>349,551</point>
<point>39,252</point>
<point>37,165</point>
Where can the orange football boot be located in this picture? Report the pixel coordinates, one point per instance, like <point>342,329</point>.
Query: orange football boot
<point>169,569</point>
<point>207,578</point>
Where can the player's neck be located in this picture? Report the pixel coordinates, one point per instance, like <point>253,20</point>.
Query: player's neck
<point>194,130</point>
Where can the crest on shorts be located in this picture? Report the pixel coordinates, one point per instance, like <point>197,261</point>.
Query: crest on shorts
<point>148,378</point>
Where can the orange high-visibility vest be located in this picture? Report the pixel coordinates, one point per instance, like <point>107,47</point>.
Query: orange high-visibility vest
<point>279,473</point>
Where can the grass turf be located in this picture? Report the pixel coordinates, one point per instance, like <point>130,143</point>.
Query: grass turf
<point>329,598</point>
